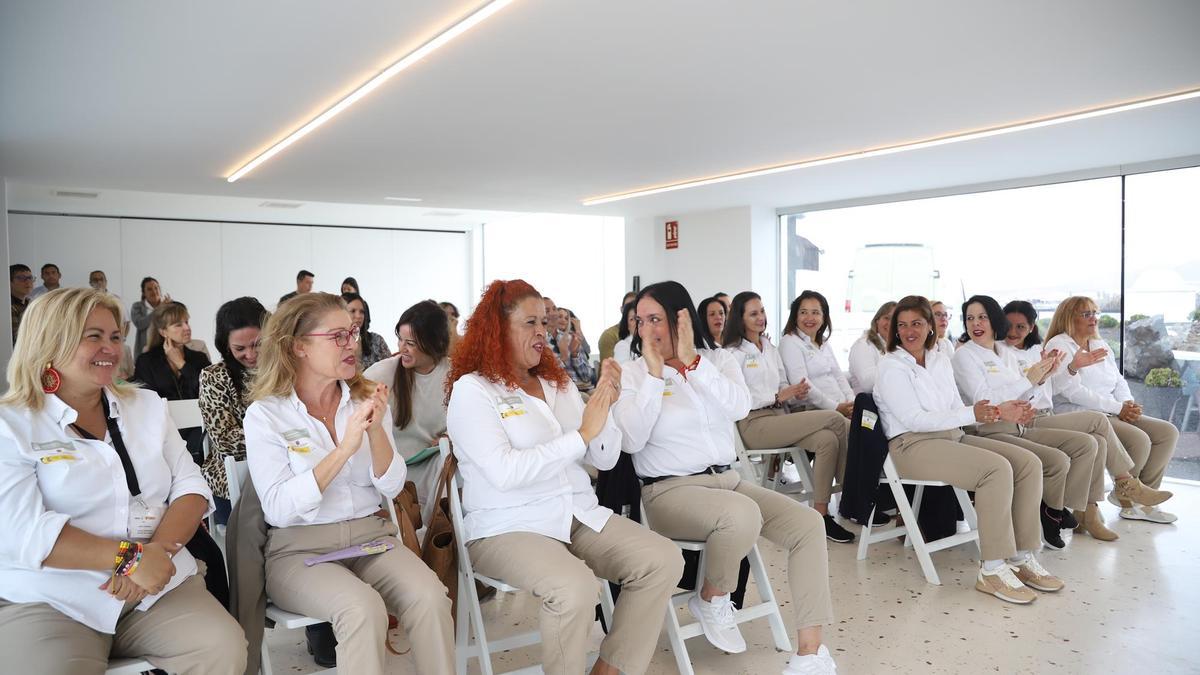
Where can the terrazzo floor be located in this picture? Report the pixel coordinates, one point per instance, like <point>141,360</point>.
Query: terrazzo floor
<point>1131,606</point>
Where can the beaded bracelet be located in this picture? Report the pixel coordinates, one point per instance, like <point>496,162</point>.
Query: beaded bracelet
<point>122,553</point>
<point>129,554</point>
<point>129,567</point>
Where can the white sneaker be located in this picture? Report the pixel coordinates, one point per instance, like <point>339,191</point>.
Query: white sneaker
<point>1150,513</point>
<point>719,621</point>
<point>820,663</point>
<point>790,473</point>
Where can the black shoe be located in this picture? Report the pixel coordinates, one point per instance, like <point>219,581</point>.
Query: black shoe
<point>1051,526</point>
<point>1067,518</point>
<point>835,532</point>
<point>322,644</point>
<point>880,518</point>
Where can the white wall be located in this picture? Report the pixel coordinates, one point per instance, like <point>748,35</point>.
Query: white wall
<point>204,264</point>
<point>6,331</point>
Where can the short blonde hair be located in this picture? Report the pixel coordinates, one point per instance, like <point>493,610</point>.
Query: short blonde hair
<point>163,316</point>
<point>1064,315</point>
<point>50,333</point>
<point>277,363</point>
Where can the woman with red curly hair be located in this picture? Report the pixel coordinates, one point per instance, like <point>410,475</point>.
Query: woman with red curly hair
<point>521,433</point>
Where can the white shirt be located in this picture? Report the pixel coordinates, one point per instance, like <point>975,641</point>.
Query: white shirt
<point>678,426</point>
<point>283,445</point>
<point>762,371</point>
<point>519,459</point>
<point>803,359</point>
<point>864,361</point>
<point>621,350</point>
<point>428,414</point>
<point>946,346</point>
<point>1099,386</point>
<point>39,292</point>
<point>912,398</point>
<point>50,477</point>
<point>997,376</point>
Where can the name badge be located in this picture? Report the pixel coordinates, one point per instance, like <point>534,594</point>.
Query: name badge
<point>144,519</point>
<point>50,459</point>
<point>51,446</point>
<point>668,389</point>
<point>869,419</point>
<point>510,406</point>
<point>751,361</point>
<point>292,435</point>
<point>300,449</point>
<point>992,368</point>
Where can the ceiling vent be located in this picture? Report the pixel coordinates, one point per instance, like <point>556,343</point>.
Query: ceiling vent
<point>76,194</point>
<point>281,205</point>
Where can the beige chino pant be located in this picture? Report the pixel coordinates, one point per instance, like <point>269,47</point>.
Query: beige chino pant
<point>1007,481</point>
<point>822,432</point>
<point>1097,427</point>
<point>355,595</point>
<point>1068,458</point>
<point>563,577</point>
<point>729,514</point>
<point>187,632</point>
<point>1150,443</point>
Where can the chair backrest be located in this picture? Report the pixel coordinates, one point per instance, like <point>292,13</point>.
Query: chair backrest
<point>236,473</point>
<point>186,413</point>
<point>456,514</point>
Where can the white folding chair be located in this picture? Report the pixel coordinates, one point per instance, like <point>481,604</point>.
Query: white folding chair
<point>909,529</point>
<point>802,491</point>
<point>678,633</point>
<point>469,617</point>
<point>185,413</point>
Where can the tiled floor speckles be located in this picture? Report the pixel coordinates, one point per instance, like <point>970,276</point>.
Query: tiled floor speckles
<point>1131,606</point>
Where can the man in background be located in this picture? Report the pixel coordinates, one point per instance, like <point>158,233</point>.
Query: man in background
<point>304,284</point>
<point>20,285</point>
<point>50,280</point>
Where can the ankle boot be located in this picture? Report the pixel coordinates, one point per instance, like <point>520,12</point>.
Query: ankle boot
<point>1092,522</point>
<point>1133,490</point>
<point>1051,524</point>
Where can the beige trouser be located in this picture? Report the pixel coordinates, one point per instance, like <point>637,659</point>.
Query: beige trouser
<point>1006,480</point>
<point>563,576</point>
<point>355,595</point>
<point>728,514</point>
<point>1151,444</point>
<point>1068,459</point>
<point>1097,427</point>
<point>821,432</point>
<point>186,631</point>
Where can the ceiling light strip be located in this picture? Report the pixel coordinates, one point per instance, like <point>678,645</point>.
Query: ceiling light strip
<point>902,147</point>
<point>479,16</point>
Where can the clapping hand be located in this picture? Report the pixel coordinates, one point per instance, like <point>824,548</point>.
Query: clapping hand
<point>1084,358</point>
<point>654,360</point>
<point>798,390</point>
<point>1015,411</point>
<point>685,338</point>
<point>985,412</point>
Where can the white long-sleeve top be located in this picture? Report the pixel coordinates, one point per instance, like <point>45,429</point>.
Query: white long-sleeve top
<point>912,398</point>
<point>803,359</point>
<point>428,412</point>
<point>762,371</point>
<point>50,477</point>
<point>621,350</point>
<point>1099,386</point>
<point>864,363</point>
<point>678,426</point>
<point>947,346</point>
<point>283,446</point>
<point>995,375</point>
<point>520,459</point>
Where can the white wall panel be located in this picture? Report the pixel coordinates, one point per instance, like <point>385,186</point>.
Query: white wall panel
<point>365,255</point>
<point>262,260</point>
<point>429,266</point>
<point>77,245</point>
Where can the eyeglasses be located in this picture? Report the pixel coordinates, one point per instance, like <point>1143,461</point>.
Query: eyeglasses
<point>1089,314</point>
<point>341,338</point>
<point>24,277</point>
<point>943,315</point>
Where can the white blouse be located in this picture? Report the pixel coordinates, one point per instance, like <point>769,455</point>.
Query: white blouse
<point>762,371</point>
<point>520,459</point>
<point>803,359</point>
<point>283,446</point>
<point>677,426</point>
<point>997,376</point>
<point>912,398</point>
<point>428,413</point>
<point>621,350</point>
<point>864,362</point>
<point>1099,386</point>
<point>50,477</point>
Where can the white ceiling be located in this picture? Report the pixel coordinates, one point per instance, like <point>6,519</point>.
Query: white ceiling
<point>550,102</point>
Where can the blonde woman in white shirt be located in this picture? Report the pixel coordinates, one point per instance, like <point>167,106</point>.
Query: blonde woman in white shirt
<point>521,434</point>
<point>320,456</point>
<point>677,408</point>
<point>808,355</point>
<point>866,351</point>
<point>1093,382</point>
<point>922,415</point>
<point>97,496</point>
<point>769,424</point>
<point>986,369</point>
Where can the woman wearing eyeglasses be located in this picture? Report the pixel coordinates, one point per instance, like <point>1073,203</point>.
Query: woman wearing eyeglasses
<point>941,317</point>
<point>320,456</point>
<point>1091,381</point>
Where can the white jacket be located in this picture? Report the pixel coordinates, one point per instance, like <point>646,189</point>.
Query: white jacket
<point>912,398</point>
<point>803,359</point>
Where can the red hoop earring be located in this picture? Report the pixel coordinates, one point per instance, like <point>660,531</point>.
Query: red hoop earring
<point>51,379</point>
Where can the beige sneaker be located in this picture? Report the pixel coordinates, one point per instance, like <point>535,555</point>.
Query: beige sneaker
<point>1032,574</point>
<point>1133,490</point>
<point>1005,585</point>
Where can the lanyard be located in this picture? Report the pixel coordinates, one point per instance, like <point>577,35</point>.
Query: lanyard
<point>114,432</point>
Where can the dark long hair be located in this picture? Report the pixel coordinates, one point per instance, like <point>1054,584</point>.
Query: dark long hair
<point>623,327</point>
<point>735,327</point>
<point>351,297</point>
<point>353,282</point>
<point>792,327</point>
<point>673,297</point>
<point>244,312</point>
<point>1027,310</point>
<point>995,316</point>
<point>702,311</point>
<point>432,333</point>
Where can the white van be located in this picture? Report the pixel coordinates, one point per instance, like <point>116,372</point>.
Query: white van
<point>885,272</point>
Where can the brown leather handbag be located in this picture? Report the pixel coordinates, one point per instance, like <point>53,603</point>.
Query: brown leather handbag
<point>408,512</point>
<point>438,550</point>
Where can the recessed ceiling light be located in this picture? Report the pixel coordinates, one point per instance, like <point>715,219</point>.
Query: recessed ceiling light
<point>281,205</point>
<point>76,194</point>
<point>403,199</point>
<point>901,147</point>
<point>372,84</point>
